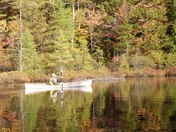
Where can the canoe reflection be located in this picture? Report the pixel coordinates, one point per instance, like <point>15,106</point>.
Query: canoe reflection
<point>57,93</point>
<point>39,90</point>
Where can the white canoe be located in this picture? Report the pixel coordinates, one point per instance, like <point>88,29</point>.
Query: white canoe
<point>84,83</point>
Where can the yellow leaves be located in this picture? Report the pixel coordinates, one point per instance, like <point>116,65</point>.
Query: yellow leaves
<point>3,24</point>
<point>83,32</point>
<point>13,25</point>
<point>137,40</point>
<point>149,24</point>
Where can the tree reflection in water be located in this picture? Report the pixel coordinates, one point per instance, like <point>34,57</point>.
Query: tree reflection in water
<point>10,115</point>
<point>138,105</point>
<point>124,105</point>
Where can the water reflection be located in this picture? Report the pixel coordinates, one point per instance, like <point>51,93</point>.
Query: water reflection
<point>55,94</point>
<point>138,105</point>
<point>60,109</point>
<point>10,109</point>
<point>130,105</point>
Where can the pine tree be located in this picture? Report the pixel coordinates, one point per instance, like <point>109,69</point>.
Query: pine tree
<point>171,29</point>
<point>30,58</point>
<point>59,35</point>
<point>125,39</point>
<point>149,20</point>
<point>124,30</point>
<point>34,18</point>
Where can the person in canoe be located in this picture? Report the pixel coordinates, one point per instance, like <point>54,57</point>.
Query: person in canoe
<point>54,79</point>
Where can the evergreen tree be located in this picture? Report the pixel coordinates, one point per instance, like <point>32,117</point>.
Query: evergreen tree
<point>59,35</point>
<point>124,30</point>
<point>65,32</point>
<point>83,60</point>
<point>171,29</point>
<point>149,20</point>
<point>125,39</point>
<point>111,6</point>
<point>30,59</point>
<point>34,18</point>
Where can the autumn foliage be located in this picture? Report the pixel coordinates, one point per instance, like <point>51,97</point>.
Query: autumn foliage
<point>87,35</point>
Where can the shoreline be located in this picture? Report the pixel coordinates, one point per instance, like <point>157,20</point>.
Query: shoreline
<point>21,77</point>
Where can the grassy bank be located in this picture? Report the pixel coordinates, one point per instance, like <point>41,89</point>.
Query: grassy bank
<point>21,77</point>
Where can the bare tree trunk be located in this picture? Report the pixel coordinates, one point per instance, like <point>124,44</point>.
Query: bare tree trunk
<point>20,46</point>
<point>73,22</point>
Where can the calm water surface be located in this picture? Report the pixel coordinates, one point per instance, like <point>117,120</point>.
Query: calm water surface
<point>130,105</point>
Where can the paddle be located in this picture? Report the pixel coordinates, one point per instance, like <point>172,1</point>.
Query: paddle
<point>61,72</point>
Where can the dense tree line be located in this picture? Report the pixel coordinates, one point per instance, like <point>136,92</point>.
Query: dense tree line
<point>87,34</point>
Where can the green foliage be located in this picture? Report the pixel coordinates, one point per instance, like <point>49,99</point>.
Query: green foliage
<point>145,31</point>
<point>171,15</point>
<point>157,57</point>
<point>124,64</point>
<point>111,6</point>
<point>99,57</point>
<point>34,19</point>
<point>125,38</point>
<point>140,62</point>
<point>83,60</point>
<point>170,60</point>
<point>58,115</point>
<point>149,26</point>
<point>58,47</point>
<point>30,58</point>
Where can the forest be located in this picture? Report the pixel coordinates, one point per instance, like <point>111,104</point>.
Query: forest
<point>83,35</point>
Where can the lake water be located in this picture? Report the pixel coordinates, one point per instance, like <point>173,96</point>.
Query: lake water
<point>125,105</point>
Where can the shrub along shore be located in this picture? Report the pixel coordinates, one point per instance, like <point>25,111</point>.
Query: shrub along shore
<point>21,77</point>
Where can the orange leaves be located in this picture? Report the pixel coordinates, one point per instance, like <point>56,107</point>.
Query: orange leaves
<point>92,18</point>
<point>122,13</point>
